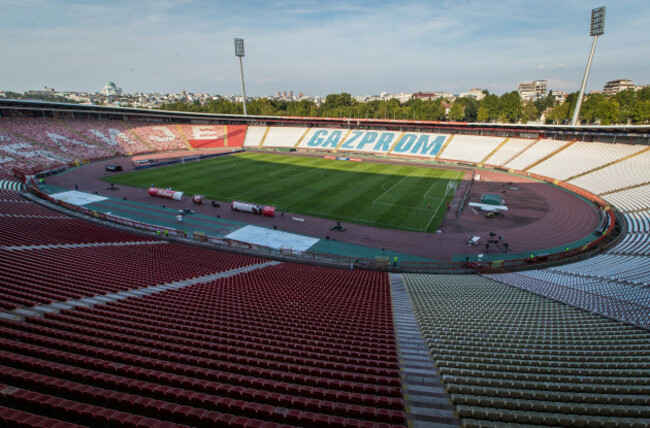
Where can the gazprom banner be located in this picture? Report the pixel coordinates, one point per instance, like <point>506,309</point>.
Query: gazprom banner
<point>411,144</point>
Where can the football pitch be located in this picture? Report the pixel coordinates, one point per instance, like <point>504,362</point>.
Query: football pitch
<point>382,195</point>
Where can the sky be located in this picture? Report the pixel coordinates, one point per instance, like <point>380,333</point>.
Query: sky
<point>318,47</point>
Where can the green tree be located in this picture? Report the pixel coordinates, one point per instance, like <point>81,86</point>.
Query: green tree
<point>456,112</point>
<point>491,103</point>
<point>510,107</point>
<point>559,114</point>
<point>470,108</point>
<point>590,106</point>
<point>640,112</point>
<point>543,103</point>
<point>530,113</point>
<point>609,111</point>
<point>483,114</point>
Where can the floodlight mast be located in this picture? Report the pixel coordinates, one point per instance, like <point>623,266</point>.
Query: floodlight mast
<point>239,51</point>
<point>597,29</point>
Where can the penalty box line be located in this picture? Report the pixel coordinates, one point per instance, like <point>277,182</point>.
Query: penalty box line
<point>440,203</point>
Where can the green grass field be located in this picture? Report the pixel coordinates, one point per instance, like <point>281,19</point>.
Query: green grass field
<point>382,195</point>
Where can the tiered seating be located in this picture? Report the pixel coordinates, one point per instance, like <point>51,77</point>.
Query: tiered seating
<point>621,268</point>
<point>254,136</point>
<point>8,164</point>
<point>30,276</point>
<point>634,244</point>
<point>619,300</point>
<point>109,133</point>
<point>534,153</point>
<point>286,137</point>
<point>16,152</point>
<point>52,135</point>
<point>637,198</point>
<point>581,157</point>
<point>287,344</point>
<point>508,151</point>
<point>23,222</point>
<point>470,148</point>
<point>511,357</point>
<point>638,222</point>
<point>89,271</point>
<point>160,138</point>
<point>19,231</point>
<point>630,172</point>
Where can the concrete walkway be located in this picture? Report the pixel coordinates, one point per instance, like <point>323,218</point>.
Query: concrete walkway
<point>20,314</point>
<point>426,401</point>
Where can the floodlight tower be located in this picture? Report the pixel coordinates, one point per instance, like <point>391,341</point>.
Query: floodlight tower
<point>597,29</point>
<point>239,51</point>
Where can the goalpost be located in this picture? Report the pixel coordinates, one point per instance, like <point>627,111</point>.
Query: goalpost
<point>195,158</point>
<point>451,187</point>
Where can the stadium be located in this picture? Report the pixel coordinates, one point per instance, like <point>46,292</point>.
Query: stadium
<point>404,273</point>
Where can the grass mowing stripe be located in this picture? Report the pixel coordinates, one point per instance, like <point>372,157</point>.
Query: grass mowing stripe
<point>376,194</point>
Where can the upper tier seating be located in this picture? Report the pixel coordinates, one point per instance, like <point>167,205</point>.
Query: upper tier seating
<point>581,157</point>
<point>213,136</point>
<point>508,151</point>
<point>470,148</point>
<point>158,137</point>
<point>534,153</point>
<point>630,172</point>
<point>634,199</point>
<point>53,136</point>
<point>286,137</point>
<point>16,152</point>
<point>109,133</point>
<point>254,135</point>
<point>511,357</point>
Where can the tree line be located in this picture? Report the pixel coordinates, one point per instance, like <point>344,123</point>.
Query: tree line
<point>625,107</point>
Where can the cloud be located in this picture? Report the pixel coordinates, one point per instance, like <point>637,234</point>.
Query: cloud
<point>562,85</point>
<point>316,47</point>
<point>552,67</point>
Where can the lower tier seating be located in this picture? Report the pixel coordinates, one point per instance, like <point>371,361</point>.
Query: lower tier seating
<point>511,357</point>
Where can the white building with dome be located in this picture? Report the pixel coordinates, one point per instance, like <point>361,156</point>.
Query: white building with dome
<point>111,89</point>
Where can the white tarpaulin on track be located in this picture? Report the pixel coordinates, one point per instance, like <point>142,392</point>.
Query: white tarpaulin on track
<point>77,198</point>
<point>272,238</point>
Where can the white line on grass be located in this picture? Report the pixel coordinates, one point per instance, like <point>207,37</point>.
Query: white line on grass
<point>389,189</point>
<point>440,203</point>
<point>435,182</point>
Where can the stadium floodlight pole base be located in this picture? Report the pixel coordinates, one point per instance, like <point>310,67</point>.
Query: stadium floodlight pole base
<point>576,112</point>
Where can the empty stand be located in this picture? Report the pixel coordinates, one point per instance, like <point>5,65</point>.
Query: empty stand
<point>254,136</point>
<point>158,137</point>
<point>510,357</point>
<point>629,172</point>
<point>53,136</point>
<point>110,133</point>
<point>582,157</point>
<point>29,157</point>
<point>634,199</point>
<point>534,153</point>
<point>289,344</point>
<point>470,148</point>
<point>283,137</point>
